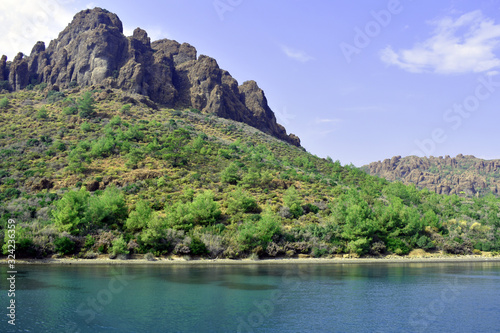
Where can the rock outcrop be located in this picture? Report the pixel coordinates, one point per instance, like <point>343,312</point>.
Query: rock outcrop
<point>444,175</point>
<point>92,50</point>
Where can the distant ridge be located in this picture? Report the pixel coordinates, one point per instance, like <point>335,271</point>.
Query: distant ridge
<point>444,175</point>
<point>92,50</point>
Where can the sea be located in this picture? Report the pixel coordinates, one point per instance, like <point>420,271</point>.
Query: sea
<point>260,297</point>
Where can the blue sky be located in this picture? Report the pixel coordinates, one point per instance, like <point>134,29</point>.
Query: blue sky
<point>358,81</point>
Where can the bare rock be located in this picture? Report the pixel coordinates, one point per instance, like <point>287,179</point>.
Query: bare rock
<point>462,175</point>
<point>92,50</point>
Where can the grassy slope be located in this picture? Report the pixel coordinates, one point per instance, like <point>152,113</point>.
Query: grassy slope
<point>167,158</point>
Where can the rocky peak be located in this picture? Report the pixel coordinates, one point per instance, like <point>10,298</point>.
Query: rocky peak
<point>141,36</point>
<point>4,74</point>
<point>92,50</point>
<point>92,19</point>
<point>449,175</point>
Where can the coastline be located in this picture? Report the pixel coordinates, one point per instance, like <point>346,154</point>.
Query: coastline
<point>274,261</point>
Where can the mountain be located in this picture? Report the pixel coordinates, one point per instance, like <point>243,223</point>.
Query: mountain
<point>93,51</point>
<point>96,165</point>
<point>444,175</point>
<point>87,171</point>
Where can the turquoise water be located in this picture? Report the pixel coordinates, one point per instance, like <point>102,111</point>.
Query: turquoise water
<point>461,297</point>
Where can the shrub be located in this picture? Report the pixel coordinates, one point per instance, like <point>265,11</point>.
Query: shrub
<point>70,210</point>
<point>69,110</point>
<point>41,86</point>
<point>42,113</point>
<point>119,246</point>
<point>4,103</point>
<point>109,208</point>
<point>133,158</point>
<point>197,247</point>
<point>425,243</point>
<point>149,257</point>
<point>319,252</point>
<point>397,246</point>
<point>103,147</point>
<point>230,174</point>
<point>115,121</point>
<point>4,85</point>
<point>310,208</point>
<point>139,217</point>
<point>78,212</point>
<point>54,96</point>
<point>161,182</point>
<point>253,234</point>
<point>296,210</point>
<point>86,105</point>
<point>89,241</point>
<point>291,197</point>
<point>240,201</point>
<point>204,210</point>
<point>359,246</point>
<point>64,245</point>
<point>377,248</point>
<point>25,247</point>
<point>85,127</point>
<point>125,109</point>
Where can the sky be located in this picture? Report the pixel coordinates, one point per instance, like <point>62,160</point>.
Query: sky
<point>359,81</point>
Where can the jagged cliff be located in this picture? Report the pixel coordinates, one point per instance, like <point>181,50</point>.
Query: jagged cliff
<point>92,50</point>
<point>443,175</point>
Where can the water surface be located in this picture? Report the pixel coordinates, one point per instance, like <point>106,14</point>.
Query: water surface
<point>399,297</point>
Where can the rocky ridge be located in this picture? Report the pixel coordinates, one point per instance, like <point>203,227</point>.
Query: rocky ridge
<point>444,175</point>
<point>92,50</point>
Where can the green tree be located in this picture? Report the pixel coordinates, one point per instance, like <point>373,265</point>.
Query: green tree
<point>252,178</point>
<point>79,156</point>
<point>119,246</point>
<point>42,113</point>
<point>175,147</point>
<point>139,217</point>
<point>204,209</point>
<point>359,246</point>
<point>86,105</point>
<point>64,245</point>
<point>4,103</point>
<point>293,201</point>
<point>107,209</point>
<point>291,196</point>
<point>134,157</point>
<point>78,212</point>
<point>126,108</point>
<point>241,202</point>
<point>252,234</point>
<point>70,210</point>
<point>86,127</point>
<point>230,174</point>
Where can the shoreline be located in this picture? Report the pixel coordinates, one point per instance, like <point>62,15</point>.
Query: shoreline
<point>277,261</point>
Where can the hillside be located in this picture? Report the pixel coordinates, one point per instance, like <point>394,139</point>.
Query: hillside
<point>118,145</point>
<point>91,171</point>
<point>462,175</point>
<point>92,50</point>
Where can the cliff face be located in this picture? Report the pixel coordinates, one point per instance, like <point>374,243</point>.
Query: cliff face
<point>92,50</point>
<point>443,175</point>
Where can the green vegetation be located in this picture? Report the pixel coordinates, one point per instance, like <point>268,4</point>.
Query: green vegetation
<point>42,113</point>
<point>103,177</point>
<point>86,105</point>
<point>4,103</point>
